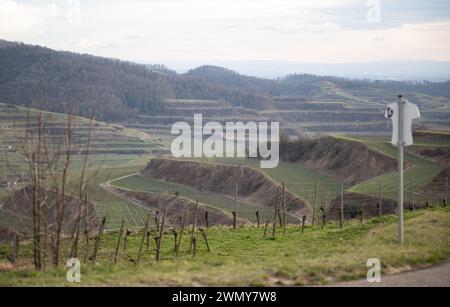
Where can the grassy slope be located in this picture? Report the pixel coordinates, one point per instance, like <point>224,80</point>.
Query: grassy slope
<point>421,173</point>
<point>299,179</point>
<point>143,184</point>
<point>243,257</point>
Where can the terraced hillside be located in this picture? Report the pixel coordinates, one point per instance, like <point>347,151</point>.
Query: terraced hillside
<point>109,144</point>
<point>108,147</point>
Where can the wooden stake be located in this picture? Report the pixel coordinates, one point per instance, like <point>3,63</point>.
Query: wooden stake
<point>148,239</point>
<point>284,208</point>
<point>324,217</point>
<point>206,220</point>
<point>315,202</point>
<point>341,215</point>
<point>175,237</point>
<point>14,248</point>
<point>125,239</point>
<point>144,233</point>
<point>161,234</point>
<point>274,222</point>
<point>157,220</point>
<point>380,200</point>
<point>265,229</point>
<point>182,229</point>
<point>194,225</point>
<point>116,255</point>
<point>257,217</point>
<point>86,246</point>
<point>205,237</point>
<point>280,220</point>
<point>98,238</point>
<point>303,223</point>
<point>194,246</point>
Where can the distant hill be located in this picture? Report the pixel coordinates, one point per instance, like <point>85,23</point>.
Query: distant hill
<point>109,89</point>
<point>112,90</point>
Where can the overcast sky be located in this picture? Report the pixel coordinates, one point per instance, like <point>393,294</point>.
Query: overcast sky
<point>206,30</point>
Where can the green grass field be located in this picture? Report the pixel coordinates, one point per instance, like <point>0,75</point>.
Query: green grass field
<point>243,257</point>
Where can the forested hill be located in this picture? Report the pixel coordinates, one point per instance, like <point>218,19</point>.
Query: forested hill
<point>106,88</point>
<point>111,89</point>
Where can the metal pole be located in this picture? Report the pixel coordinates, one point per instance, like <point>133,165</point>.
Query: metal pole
<point>400,169</point>
<point>235,204</point>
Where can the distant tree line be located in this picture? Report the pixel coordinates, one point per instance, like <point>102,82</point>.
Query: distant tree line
<point>112,90</point>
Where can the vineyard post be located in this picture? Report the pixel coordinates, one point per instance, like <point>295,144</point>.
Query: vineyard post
<point>257,217</point>
<point>265,229</point>
<point>341,218</point>
<point>284,207</point>
<point>206,220</point>
<point>116,255</point>
<point>161,234</point>
<point>235,204</point>
<point>175,238</point>
<point>86,245</point>
<point>361,212</point>
<point>303,223</point>
<point>205,237</point>
<point>194,224</point>
<point>98,238</point>
<point>324,218</point>
<point>412,194</point>
<point>446,189</point>
<point>144,233</point>
<point>380,200</point>
<point>182,229</point>
<point>275,214</point>
<point>148,240</point>
<point>15,248</point>
<point>315,202</point>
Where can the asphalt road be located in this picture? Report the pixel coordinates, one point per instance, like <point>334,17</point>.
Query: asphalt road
<point>437,276</point>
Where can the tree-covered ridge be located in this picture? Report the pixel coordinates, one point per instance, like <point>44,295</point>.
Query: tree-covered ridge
<point>112,90</point>
<point>107,88</point>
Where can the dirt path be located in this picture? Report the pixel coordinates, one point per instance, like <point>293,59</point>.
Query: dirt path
<point>437,276</point>
<point>109,188</point>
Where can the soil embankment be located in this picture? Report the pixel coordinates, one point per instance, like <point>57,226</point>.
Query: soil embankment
<point>254,187</point>
<point>176,207</point>
<point>349,161</point>
<point>20,205</point>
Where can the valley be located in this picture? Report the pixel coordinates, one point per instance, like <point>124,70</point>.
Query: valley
<point>91,162</point>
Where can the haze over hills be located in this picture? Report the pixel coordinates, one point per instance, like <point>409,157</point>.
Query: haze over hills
<point>437,71</point>
<point>115,90</point>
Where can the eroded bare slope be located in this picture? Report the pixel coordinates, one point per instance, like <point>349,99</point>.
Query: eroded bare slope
<point>254,188</point>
